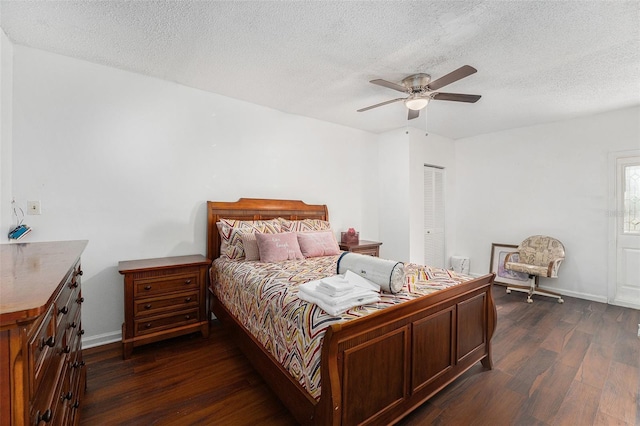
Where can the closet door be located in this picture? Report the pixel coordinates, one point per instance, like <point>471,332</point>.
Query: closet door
<point>434,216</point>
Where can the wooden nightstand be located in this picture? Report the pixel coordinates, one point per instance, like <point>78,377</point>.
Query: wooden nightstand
<point>372,248</point>
<point>163,298</point>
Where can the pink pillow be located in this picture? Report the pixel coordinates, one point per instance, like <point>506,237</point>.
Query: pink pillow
<point>319,243</point>
<point>278,247</point>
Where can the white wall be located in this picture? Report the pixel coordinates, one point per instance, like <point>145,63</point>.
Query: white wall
<point>402,156</point>
<point>128,162</point>
<point>394,214</point>
<point>548,179</point>
<point>6,141</point>
<point>433,150</point>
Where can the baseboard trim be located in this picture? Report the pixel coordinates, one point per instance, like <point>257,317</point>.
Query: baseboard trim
<point>625,304</point>
<point>585,296</point>
<point>577,295</point>
<point>101,339</point>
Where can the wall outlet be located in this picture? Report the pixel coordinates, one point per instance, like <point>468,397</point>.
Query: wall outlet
<point>33,207</point>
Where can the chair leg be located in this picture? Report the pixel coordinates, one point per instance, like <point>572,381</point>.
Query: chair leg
<point>532,289</point>
<point>529,289</point>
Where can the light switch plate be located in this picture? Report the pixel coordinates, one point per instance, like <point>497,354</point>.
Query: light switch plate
<point>33,207</point>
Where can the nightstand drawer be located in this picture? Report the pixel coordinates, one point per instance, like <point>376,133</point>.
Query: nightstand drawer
<point>367,251</point>
<point>145,287</point>
<point>157,305</point>
<point>162,322</point>
<point>370,248</point>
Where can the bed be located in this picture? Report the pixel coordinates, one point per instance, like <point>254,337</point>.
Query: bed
<point>374,365</point>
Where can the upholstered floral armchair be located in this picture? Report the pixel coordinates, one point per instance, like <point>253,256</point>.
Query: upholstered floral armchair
<point>538,256</point>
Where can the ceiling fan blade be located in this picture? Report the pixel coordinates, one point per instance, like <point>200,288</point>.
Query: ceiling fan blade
<point>390,85</point>
<point>458,97</point>
<point>413,114</point>
<point>380,104</point>
<point>453,76</point>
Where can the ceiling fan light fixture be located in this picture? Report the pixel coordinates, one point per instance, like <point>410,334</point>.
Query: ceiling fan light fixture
<point>416,103</point>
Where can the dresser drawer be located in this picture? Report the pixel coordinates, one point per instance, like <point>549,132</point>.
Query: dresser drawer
<point>75,363</point>
<point>163,322</point>
<point>171,303</point>
<point>66,309</point>
<point>145,287</point>
<point>48,403</point>
<point>42,348</point>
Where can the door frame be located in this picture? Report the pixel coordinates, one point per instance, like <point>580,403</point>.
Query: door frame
<point>614,215</point>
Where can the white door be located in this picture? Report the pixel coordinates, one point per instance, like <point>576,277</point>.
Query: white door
<point>626,288</point>
<point>434,216</point>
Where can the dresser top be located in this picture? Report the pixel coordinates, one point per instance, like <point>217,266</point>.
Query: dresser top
<point>29,275</point>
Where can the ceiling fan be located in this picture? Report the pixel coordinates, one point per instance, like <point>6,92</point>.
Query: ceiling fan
<point>421,90</point>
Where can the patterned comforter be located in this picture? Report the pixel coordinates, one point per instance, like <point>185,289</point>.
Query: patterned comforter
<point>264,297</point>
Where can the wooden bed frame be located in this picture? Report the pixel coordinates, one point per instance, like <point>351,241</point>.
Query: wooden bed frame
<point>376,369</point>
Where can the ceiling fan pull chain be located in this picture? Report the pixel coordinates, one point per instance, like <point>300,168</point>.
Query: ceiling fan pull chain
<point>426,122</point>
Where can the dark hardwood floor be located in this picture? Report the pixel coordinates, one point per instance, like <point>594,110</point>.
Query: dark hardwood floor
<point>571,364</point>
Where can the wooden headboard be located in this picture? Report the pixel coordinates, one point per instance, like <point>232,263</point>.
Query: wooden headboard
<point>256,209</point>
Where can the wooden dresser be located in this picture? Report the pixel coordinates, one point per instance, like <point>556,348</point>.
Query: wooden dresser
<point>371,248</point>
<point>43,377</point>
<point>163,298</point>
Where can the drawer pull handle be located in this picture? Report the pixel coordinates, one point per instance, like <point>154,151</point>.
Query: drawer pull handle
<point>148,325</point>
<point>51,342</point>
<point>77,364</point>
<point>67,396</point>
<point>73,284</point>
<point>188,299</point>
<point>76,404</point>
<point>64,310</point>
<point>80,300</point>
<point>147,287</point>
<point>45,417</point>
<point>66,350</point>
<point>147,306</point>
<point>80,332</point>
<point>187,282</point>
<point>73,325</point>
<point>187,317</point>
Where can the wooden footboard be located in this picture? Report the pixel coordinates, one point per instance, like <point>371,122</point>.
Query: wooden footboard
<point>376,369</point>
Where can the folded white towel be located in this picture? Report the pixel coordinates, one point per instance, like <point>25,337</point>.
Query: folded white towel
<point>335,286</point>
<point>311,288</point>
<point>361,282</point>
<point>337,310</point>
<point>333,293</point>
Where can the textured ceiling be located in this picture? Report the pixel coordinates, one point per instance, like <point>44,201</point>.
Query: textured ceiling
<point>537,61</point>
